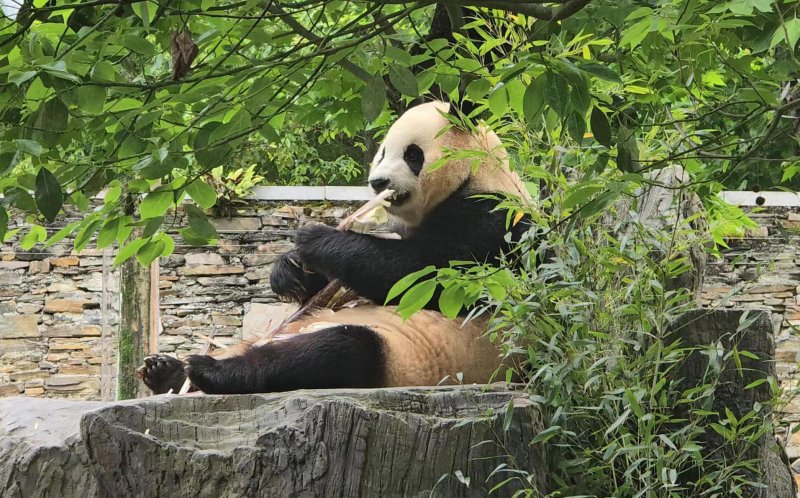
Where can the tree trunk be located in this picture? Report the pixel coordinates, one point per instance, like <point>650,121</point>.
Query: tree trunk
<point>133,343</point>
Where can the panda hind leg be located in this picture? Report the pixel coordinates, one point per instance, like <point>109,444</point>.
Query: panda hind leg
<point>335,357</point>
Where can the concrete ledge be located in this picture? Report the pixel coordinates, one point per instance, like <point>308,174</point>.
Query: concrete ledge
<point>340,193</point>
<point>765,199</point>
<point>328,193</point>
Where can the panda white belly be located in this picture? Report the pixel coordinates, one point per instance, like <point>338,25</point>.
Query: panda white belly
<point>421,351</point>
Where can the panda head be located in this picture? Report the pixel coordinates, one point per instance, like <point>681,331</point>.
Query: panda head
<point>417,140</point>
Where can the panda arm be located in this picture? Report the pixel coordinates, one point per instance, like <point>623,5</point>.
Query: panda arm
<point>458,229</point>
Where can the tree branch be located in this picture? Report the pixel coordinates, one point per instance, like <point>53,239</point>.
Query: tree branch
<point>533,8</point>
<point>320,42</point>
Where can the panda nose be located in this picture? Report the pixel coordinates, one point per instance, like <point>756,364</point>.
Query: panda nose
<point>379,184</point>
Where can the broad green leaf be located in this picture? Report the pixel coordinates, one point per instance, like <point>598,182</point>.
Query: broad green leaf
<point>557,93</point>
<point>497,291</point>
<point>199,223</point>
<point>126,226</point>
<point>580,97</point>
<point>405,282</point>
<point>599,204</point>
<point>202,194</point>
<point>103,72</point>
<point>191,238</point>
<point>398,55</point>
<point>579,195</point>
<point>149,252</point>
<point>8,160</point>
<point>600,71</point>
<point>627,150</point>
<point>59,70</point>
<point>416,298</point>
<point>112,194</point>
<point>80,200</point>
<point>152,226</point>
<point>146,11</point>
<point>49,121</point>
<point>19,78</point>
<point>91,99</point>
<point>403,80</point>
<point>576,126</point>
<point>601,128</point>
<point>477,89</point>
<point>61,234</point>
<point>108,234</point>
<point>156,204</point>
<point>790,28</point>
<point>85,234</point>
<point>139,44</point>
<point>48,194</point>
<point>533,101</point>
<point>3,223</point>
<point>230,132</point>
<point>36,234</point>
<point>169,245</point>
<point>211,157</point>
<point>451,300</point>
<point>124,104</point>
<point>498,101</point>
<point>128,250</point>
<point>31,147</point>
<point>373,98</point>
<point>634,35</point>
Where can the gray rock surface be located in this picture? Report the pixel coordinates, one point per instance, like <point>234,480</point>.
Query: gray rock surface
<point>41,452</point>
<point>386,442</point>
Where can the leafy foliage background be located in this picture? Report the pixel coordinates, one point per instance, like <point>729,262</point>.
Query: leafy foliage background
<point>145,101</point>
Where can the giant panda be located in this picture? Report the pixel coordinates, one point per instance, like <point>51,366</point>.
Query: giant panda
<point>440,220</point>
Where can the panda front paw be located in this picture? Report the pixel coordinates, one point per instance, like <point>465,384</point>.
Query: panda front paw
<point>291,281</point>
<point>161,373</point>
<point>314,242</point>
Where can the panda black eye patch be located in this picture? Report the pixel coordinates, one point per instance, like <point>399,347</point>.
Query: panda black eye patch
<point>414,158</point>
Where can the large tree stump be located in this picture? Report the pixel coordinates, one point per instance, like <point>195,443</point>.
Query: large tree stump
<point>720,331</point>
<point>327,443</point>
<point>666,205</point>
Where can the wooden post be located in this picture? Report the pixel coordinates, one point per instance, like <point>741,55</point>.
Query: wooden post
<point>134,327</point>
<point>155,310</point>
<point>107,371</point>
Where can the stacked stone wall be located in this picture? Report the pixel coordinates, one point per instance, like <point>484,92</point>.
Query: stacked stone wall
<point>59,309</point>
<point>58,317</point>
<point>762,270</point>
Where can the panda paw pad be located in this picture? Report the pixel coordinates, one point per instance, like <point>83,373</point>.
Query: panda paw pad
<point>161,373</point>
